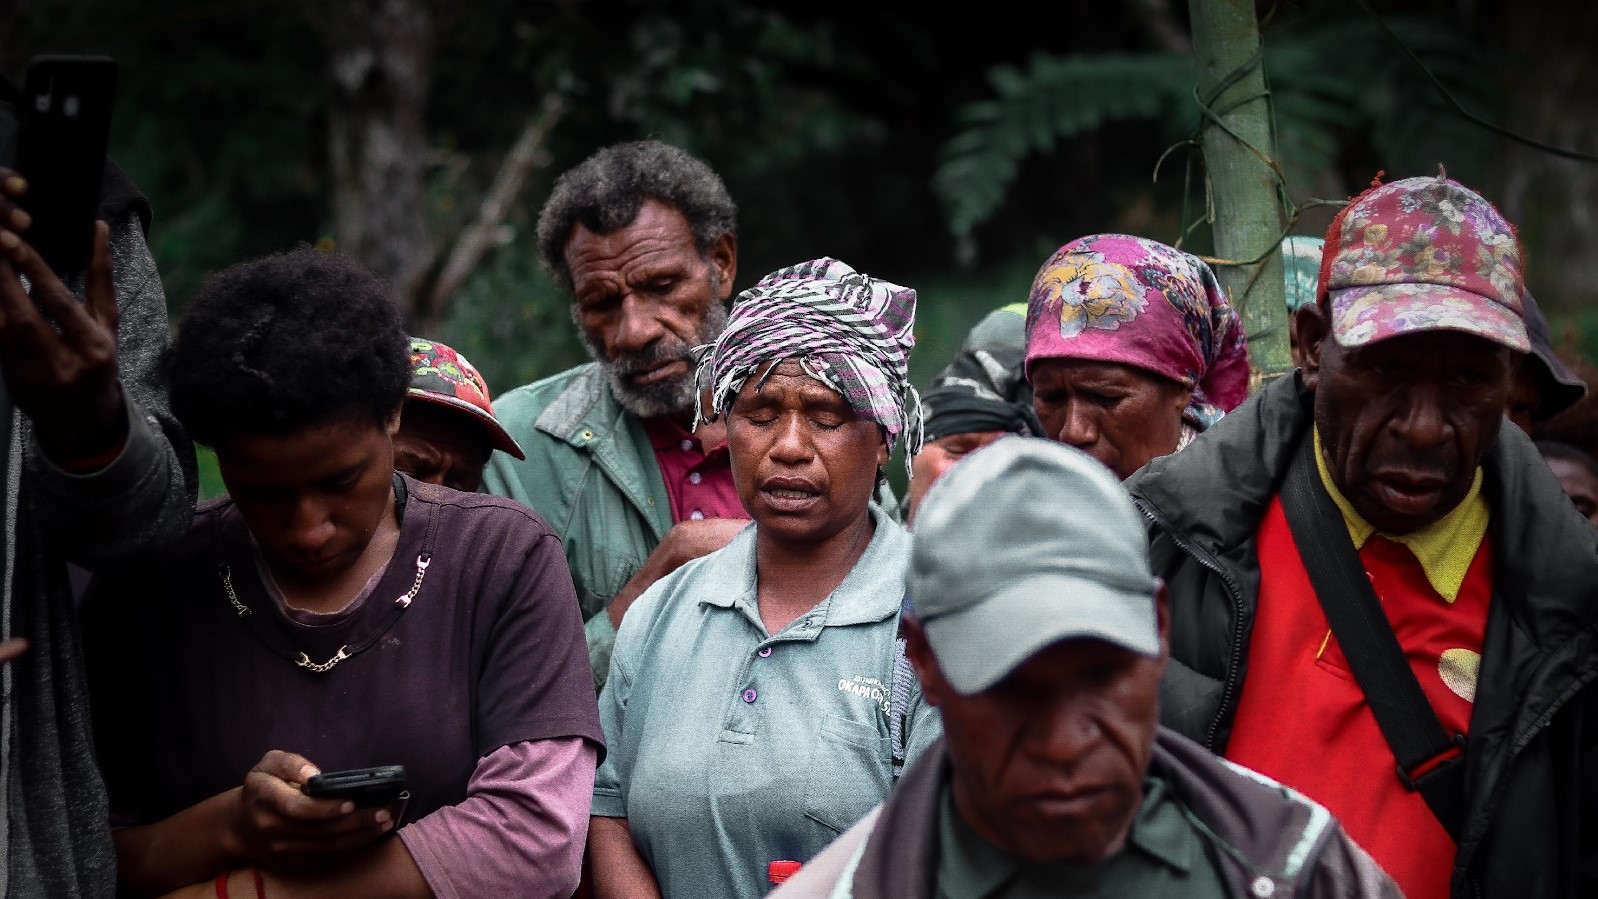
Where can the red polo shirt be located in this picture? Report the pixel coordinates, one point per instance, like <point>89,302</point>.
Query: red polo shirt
<point>1303,720</point>
<point>698,483</point>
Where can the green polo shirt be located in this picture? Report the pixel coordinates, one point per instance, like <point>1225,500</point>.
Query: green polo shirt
<point>730,748</point>
<point>1163,856</point>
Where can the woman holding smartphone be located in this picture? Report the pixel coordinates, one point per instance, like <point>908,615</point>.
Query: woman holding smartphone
<point>330,614</point>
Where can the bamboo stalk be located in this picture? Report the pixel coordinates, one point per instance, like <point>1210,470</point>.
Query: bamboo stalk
<point>1243,184</point>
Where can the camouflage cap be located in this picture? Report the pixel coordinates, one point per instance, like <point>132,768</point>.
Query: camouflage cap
<point>441,375</point>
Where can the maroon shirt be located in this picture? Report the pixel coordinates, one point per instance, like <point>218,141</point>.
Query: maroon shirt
<point>188,695</point>
<point>698,483</point>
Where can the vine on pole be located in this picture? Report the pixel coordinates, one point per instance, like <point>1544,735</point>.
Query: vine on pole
<point>1244,185</point>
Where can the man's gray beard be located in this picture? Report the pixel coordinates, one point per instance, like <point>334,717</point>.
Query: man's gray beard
<point>673,397</point>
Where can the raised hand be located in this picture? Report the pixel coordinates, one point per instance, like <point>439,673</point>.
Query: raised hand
<point>59,356</point>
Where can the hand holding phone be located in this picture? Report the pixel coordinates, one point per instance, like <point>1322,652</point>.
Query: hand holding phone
<point>58,355</point>
<point>366,787</point>
<point>277,825</point>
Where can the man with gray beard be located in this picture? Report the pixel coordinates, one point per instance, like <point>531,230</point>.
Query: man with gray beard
<point>642,235</point>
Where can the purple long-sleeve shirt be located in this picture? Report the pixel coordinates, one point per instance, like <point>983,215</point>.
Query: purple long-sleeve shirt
<point>520,830</point>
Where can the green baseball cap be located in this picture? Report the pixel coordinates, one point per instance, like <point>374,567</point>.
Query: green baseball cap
<point>1024,543</point>
<point>1301,269</point>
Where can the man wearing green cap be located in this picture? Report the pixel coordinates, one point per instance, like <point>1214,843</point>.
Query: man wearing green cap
<point>1040,634</point>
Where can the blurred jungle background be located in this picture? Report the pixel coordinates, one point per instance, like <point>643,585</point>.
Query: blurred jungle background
<point>948,148</point>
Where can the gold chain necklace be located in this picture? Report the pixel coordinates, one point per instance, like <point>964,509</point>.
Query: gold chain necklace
<point>401,603</point>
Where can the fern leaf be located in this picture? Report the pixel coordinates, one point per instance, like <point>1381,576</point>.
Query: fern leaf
<point>1055,99</point>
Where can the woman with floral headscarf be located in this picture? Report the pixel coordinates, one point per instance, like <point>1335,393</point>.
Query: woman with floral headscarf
<point>1132,349</point>
<point>750,714</point>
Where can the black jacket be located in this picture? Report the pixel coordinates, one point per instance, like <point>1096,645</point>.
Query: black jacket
<point>1531,821</point>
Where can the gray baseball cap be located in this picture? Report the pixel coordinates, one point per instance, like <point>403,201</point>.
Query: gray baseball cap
<point>1024,543</point>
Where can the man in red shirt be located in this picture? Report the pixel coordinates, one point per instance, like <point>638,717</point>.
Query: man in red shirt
<point>1481,574</point>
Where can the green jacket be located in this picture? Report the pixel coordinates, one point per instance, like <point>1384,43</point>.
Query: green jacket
<point>591,473</point>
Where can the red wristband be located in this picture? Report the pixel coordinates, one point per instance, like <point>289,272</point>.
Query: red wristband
<point>260,883</point>
<point>221,885</point>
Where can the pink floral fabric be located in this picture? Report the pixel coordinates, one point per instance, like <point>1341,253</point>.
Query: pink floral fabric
<point>1133,301</point>
<point>1423,254</point>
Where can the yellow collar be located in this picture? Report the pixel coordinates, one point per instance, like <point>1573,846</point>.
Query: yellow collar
<point>1445,548</point>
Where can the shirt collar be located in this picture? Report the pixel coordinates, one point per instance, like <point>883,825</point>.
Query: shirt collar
<point>665,434</point>
<point>1164,833</point>
<point>972,866</point>
<point>872,591</point>
<point>1446,547</point>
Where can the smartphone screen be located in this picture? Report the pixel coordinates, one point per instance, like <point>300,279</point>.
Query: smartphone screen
<point>64,125</point>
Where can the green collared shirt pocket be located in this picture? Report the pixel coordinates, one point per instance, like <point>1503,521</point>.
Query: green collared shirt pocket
<point>851,769</point>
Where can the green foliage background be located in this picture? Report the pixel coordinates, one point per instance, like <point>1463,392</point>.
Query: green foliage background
<point>945,148</point>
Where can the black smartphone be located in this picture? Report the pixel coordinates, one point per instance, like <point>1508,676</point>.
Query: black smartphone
<point>64,124</point>
<point>363,786</point>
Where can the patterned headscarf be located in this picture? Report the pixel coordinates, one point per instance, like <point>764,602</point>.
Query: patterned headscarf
<point>850,331</point>
<point>1137,302</point>
<point>983,388</point>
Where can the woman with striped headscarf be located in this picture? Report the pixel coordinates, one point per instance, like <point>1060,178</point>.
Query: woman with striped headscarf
<point>748,713</point>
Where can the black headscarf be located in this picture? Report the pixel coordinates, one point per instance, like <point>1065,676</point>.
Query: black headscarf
<point>982,389</point>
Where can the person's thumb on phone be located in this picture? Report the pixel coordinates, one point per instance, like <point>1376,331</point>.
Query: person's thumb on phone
<point>287,766</point>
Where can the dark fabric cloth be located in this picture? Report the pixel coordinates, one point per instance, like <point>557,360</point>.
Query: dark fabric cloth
<point>981,389</point>
<point>1263,839</point>
<point>1562,388</point>
<point>1531,826</point>
<point>951,410</point>
<point>189,695</point>
<point>54,841</point>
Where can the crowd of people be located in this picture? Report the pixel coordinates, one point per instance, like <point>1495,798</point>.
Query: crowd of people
<point>657,628</point>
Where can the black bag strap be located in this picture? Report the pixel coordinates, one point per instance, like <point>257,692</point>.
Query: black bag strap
<point>1379,665</point>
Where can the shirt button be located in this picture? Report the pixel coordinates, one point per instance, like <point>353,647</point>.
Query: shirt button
<point>765,652</point>
<point>695,477</point>
<point>697,515</point>
<point>750,694</point>
<point>1263,887</point>
<point>687,445</point>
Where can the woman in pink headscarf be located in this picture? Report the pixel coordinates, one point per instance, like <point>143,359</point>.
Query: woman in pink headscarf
<point>1132,349</point>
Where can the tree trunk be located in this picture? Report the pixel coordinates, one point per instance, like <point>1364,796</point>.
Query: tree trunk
<point>526,155</point>
<point>1247,211</point>
<point>381,52</point>
<point>1553,201</point>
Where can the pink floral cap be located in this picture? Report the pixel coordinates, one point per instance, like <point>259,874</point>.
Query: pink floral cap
<point>441,375</point>
<point>1423,254</point>
<point>1134,301</point>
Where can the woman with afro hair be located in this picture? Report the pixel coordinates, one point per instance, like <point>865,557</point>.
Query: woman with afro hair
<point>328,614</point>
